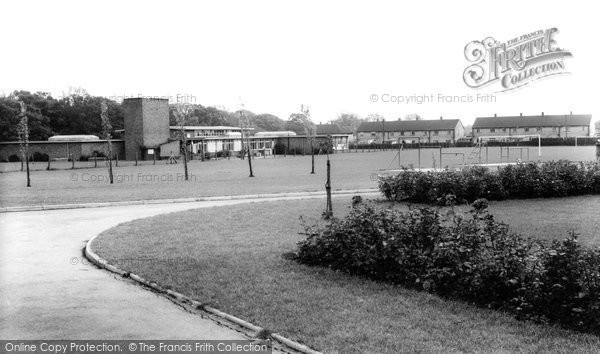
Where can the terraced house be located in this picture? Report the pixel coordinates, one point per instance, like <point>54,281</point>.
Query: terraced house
<point>547,126</point>
<point>411,131</point>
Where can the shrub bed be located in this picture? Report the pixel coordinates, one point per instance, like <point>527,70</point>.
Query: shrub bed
<point>473,258</point>
<point>525,180</point>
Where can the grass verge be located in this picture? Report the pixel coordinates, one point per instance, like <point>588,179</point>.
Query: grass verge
<point>231,257</point>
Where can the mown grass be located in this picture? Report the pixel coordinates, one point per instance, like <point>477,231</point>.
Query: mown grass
<point>230,177</point>
<point>231,257</point>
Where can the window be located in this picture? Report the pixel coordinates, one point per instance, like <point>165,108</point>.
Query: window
<point>526,129</point>
<point>402,133</point>
<point>373,134</point>
<point>492,130</point>
<point>435,132</point>
<point>479,130</point>
<point>553,129</point>
<point>539,129</point>
<point>412,132</point>
<point>504,130</point>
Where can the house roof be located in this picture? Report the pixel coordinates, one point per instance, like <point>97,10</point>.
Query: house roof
<point>206,127</point>
<point>333,129</point>
<point>404,125</point>
<point>557,120</point>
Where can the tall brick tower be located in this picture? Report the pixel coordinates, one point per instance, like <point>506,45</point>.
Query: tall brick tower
<point>146,126</point>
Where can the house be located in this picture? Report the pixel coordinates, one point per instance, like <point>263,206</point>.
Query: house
<point>546,126</point>
<point>412,131</point>
<point>341,136</point>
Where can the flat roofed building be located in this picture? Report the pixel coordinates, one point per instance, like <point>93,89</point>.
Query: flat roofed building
<point>412,131</point>
<point>547,126</point>
<point>73,138</point>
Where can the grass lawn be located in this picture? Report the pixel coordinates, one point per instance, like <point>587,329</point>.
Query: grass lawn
<point>86,184</point>
<point>231,257</point>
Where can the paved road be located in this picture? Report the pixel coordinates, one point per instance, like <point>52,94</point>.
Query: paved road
<point>44,296</point>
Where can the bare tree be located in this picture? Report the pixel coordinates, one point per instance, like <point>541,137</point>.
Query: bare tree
<point>23,131</point>
<point>182,113</point>
<point>245,123</point>
<point>106,134</point>
<point>311,133</point>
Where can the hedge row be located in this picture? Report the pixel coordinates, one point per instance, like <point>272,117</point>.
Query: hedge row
<point>473,258</point>
<point>524,180</point>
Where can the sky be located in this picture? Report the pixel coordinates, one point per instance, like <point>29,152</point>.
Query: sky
<point>272,56</point>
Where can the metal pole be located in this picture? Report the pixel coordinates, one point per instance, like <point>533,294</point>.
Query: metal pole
<point>399,150</point>
<point>539,145</point>
<point>419,147</point>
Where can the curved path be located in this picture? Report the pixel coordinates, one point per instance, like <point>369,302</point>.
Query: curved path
<point>49,291</point>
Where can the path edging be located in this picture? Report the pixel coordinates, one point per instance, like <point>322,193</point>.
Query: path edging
<point>102,263</point>
<point>180,200</point>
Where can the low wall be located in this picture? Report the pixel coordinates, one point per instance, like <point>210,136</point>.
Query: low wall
<point>62,149</point>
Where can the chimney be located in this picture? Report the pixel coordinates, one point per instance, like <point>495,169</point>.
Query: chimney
<point>542,114</point>
<point>441,118</point>
<point>521,114</point>
<point>495,115</point>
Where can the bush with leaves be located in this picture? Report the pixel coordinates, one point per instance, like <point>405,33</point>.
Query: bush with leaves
<point>469,257</point>
<point>524,180</point>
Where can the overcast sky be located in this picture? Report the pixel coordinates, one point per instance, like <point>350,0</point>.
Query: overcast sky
<point>276,55</point>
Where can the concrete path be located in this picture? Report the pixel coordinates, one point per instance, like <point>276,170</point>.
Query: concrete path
<point>48,292</point>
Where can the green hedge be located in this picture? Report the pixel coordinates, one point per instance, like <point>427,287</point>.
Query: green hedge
<point>473,258</point>
<point>525,180</point>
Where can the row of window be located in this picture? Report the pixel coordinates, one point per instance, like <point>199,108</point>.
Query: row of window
<point>413,132</point>
<point>539,129</point>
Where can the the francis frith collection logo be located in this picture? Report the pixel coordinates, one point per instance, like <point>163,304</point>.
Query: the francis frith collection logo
<point>514,63</point>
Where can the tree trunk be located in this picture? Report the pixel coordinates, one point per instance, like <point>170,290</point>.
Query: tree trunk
<point>27,163</point>
<point>312,153</point>
<point>185,166</point>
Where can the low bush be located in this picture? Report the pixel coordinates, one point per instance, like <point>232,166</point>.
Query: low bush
<point>524,180</point>
<point>39,156</point>
<point>14,158</point>
<point>469,257</point>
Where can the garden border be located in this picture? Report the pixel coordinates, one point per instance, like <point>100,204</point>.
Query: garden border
<point>182,299</point>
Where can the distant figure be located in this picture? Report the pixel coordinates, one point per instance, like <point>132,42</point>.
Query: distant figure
<point>172,159</point>
<point>356,201</point>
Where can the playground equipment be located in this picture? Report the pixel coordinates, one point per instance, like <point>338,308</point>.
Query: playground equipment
<point>482,142</point>
<point>479,154</point>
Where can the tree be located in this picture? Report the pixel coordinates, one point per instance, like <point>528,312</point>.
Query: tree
<point>350,120</point>
<point>310,130</point>
<point>24,138</point>
<point>245,125</point>
<point>296,123</point>
<point>374,117</point>
<point>182,113</point>
<point>268,122</point>
<point>106,134</point>
<point>413,116</point>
